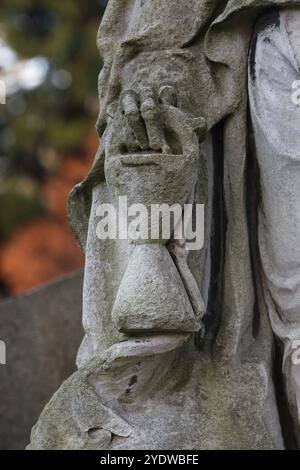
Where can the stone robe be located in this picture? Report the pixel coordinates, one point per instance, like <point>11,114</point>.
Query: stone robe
<point>247,276</point>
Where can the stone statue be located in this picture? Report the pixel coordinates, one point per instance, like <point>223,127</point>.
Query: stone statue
<point>191,349</point>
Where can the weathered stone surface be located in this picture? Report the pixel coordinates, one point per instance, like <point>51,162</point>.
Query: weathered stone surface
<point>156,393</point>
<point>152,296</point>
<point>174,84</point>
<point>42,331</point>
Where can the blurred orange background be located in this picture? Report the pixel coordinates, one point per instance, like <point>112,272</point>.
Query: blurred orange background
<point>49,64</point>
<point>45,248</point>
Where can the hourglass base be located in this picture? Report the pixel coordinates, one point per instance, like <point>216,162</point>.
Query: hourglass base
<point>152,297</point>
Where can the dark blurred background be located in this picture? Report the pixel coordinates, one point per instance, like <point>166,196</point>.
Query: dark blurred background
<point>49,63</point>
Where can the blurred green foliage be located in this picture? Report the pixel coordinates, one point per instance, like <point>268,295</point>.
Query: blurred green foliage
<point>56,115</point>
<point>19,203</point>
<point>64,32</point>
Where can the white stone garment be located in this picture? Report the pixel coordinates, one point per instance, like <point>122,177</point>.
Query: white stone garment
<point>273,69</point>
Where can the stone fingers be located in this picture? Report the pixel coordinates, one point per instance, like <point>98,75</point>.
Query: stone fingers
<point>144,118</point>
<point>130,108</point>
<point>151,116</point>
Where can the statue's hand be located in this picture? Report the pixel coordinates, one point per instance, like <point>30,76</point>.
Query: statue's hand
<point>154,122</point>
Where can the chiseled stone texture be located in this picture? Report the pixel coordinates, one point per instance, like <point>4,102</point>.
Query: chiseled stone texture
<point>42,331</point>
<point>170,395</point>
<point>157,393</point>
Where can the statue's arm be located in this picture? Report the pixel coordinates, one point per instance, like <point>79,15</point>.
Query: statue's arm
<point>151,45</point>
